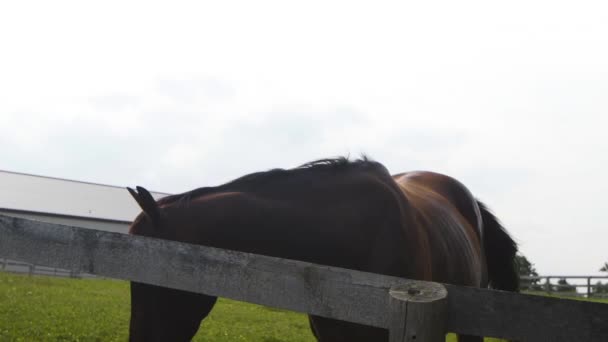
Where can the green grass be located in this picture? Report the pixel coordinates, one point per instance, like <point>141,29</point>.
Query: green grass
<point>567,296</point>
<point>53,309</point>
<point>56,309</point>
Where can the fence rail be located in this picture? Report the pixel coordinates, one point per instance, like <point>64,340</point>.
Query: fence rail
<point>304,287</point>
<point>14,266</point>
<point>535,283</point>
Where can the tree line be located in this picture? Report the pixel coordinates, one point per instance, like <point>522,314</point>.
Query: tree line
<point>526,268</point>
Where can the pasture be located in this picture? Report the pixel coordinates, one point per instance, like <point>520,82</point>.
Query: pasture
<point>61,309</point>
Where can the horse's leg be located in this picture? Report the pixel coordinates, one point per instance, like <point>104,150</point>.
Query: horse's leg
<point>469,338</point>
<point>207,304</point>
<point>332,330</point>
<point>312,327</point>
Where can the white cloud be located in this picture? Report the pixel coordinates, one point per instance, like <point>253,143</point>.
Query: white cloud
<point>509,98</point>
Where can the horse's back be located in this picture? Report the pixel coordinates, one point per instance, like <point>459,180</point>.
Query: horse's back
<point>330,216</point>
<point>448,214</point>
<point>449,188</point>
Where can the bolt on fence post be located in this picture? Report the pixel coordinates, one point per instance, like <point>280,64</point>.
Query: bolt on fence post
<point>418,312</point>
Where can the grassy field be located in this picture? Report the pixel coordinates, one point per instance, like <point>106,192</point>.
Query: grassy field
<point>55,309</point>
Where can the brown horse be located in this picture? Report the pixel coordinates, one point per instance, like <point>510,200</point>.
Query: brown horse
<point>350,214</point>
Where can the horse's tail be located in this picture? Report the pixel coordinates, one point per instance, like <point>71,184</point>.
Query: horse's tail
<point>500,250</point>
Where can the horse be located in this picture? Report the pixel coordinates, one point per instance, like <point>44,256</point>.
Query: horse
<point>346,213</point>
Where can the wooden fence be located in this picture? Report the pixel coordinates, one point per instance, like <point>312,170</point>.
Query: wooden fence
<point>13,266</point>
<point>409,309</point>
<point>545,284</point>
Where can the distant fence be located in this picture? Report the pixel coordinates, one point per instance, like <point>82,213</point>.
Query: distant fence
<point>551,285</point>
<point>411,310</point>
<point>14,266</point>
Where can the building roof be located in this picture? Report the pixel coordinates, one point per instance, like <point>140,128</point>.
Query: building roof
<point>56,196</point>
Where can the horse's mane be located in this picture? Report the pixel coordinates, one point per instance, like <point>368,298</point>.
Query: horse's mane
<point>255,179</point>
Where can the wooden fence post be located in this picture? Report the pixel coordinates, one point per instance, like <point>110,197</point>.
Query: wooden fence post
<point>418,312</point>
<point>588,287</point>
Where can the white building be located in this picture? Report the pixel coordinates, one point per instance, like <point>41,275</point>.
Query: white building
<point>68,202</point>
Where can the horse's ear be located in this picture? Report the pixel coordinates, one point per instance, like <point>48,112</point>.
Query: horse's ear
<point>135,195</point>
<point>147,203</point>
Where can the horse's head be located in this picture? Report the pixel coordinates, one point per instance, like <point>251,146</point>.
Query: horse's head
<point>158,313</point>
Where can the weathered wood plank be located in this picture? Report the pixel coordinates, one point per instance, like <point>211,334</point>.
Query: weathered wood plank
<point>418,313</point>
<point>321,290</point>
<point>525,317</point>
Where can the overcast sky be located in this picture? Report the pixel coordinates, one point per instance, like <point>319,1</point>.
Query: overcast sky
<point>508,97</point>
